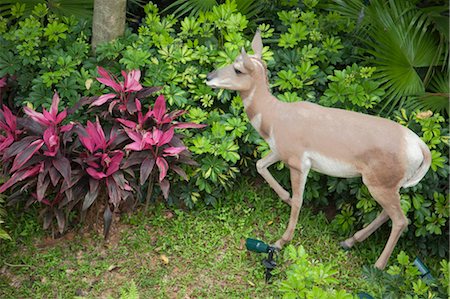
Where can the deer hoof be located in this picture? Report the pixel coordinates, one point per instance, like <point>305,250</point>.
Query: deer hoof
<point>278,245</point>
<point>345,246</point>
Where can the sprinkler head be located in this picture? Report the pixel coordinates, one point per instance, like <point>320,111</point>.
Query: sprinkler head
<point>261,247</point>
<point>256,246</point>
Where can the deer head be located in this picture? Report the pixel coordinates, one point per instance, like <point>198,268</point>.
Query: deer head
<point>240,75</point>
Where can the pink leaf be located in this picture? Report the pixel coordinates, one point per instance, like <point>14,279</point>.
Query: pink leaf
<point>66,128</point>
<point>6,142</point>
<point>156,135</point>
<point>102,72</point>
<point>163,166</point>
<point>145,170</point>
<point>148,114</point>
<point>173,151</point>
<point>138,104</point>
<point>113,104</point>
<point>128,123</point>
<point>115,163</point>
<point>165,186</point>
<point>188,126</point>
<point>87,142</point>
<point>10,119</point>
<point>132,81</point>
<point>107,80</point>
<point>54,106</point>
<point>135,146</point>
<point>160,108</point>
<point>26,155</point>
<point>20,176</point>
<point>135,136</point>
<point>51,140</point>
<point>166,137</point>
<point>60,117</point>
<point>36,116</point>
<point>149,139</point>
<point>103,99</point>
<point>99,137</point>
<point>95,174</point>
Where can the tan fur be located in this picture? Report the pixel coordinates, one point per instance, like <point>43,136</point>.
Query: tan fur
<point>337,142</point>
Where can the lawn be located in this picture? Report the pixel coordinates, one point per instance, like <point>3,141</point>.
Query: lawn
<point>172,253</point>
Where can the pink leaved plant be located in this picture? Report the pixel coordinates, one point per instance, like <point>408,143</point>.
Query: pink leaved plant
<point>122,89</point>
<point>8,129</point>
<point>66,166</point>
<point>36,159</point>
<point>152,138</point>
<point>101,160</point>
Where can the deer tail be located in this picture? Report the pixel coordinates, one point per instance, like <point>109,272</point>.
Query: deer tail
<point>423,168</point>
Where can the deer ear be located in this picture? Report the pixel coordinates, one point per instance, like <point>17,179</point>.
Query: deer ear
<point>248,64</point>
<point>257,44</point>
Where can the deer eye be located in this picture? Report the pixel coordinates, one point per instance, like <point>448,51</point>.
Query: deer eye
<point>237,71</point>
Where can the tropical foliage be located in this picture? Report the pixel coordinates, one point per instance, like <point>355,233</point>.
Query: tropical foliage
<point>66,167</point>
<point>311,53</point>
<point>409,46</point>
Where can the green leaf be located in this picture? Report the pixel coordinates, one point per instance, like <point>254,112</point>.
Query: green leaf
<point>403,258</point>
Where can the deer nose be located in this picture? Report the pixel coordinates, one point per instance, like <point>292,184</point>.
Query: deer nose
<point>211,75</point>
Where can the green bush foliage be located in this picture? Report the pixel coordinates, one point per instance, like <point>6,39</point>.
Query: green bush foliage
<point>307,278</point>
<point>3,234</point>
<point>404,280</point>
<point>43,52</point>
<point>311,55</point>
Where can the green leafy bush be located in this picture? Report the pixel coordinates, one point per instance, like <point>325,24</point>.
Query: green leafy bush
<point>3,234</point>
<point>307,278</point>
<point>404,280</point>
<point>43,52</point>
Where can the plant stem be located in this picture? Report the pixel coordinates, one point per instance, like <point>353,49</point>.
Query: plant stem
<point>149,190</point>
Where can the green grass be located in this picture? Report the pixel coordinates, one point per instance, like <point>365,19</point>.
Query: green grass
<point>169,253</point>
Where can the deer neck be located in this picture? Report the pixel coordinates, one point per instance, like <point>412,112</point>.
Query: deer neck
<point>259,105</point>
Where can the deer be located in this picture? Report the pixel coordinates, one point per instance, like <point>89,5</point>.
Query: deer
<point>335,142</point>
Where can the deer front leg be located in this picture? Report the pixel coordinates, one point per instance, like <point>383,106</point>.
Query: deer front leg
<point>298,180</point>
<point>262,166</point>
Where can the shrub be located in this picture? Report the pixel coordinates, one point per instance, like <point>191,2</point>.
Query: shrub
<point>404,280</point>
<point>66,167</point>
<point>3,234</point>
<point>306,278</point>
<point>42,52</point>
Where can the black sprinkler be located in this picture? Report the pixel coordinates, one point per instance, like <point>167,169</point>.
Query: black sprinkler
<point>261,247</point>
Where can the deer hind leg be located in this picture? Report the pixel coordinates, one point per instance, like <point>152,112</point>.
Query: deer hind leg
<point>389,199</point>
<point>298,180</point>
<point>262,166</point>
<point>364,233</point>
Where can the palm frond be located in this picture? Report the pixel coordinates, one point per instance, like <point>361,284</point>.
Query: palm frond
<point>190,7</point>
<point>437,99</point>
<point>402,41</point>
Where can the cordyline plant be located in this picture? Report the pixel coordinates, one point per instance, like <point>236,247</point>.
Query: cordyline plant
<point>153,141</point>
<point>64,167</point>
<point>37,158</point>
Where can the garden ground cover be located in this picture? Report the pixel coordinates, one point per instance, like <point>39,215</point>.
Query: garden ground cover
<point>171,253</point>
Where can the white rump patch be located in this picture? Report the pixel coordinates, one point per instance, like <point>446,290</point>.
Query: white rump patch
<point>413,154</point>
<point>331,166</point>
